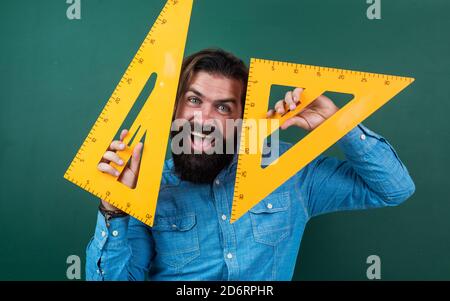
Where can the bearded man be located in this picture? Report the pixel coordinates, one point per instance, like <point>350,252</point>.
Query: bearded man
<point>192,238</point>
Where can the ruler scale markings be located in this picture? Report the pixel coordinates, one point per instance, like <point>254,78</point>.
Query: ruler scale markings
<point>164,60</point>
<point>251,183</point>
<point>369,96</point>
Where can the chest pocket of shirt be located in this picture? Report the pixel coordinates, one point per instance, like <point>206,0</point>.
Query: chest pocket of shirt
<point>176,239</point>
<point>271,220</point>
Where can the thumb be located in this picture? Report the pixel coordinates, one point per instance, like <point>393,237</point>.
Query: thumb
<point>136,158</point>
<point>298,121</point>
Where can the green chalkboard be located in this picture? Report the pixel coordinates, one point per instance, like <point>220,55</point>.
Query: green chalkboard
<point>56,74</point>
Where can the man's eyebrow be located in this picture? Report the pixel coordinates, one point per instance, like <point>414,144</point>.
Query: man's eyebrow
<point>195,92</point>
<point>232,100</point>
<point>199,94</point>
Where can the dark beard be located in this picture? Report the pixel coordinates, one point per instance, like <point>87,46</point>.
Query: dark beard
<point>200,168</point>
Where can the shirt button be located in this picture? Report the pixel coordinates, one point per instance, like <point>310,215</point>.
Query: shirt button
<point>103,233</point>
<point>115,233</point>
<point>229,255</point>
<point>270,206</point>
<point>217,182</point>
<point>224,217</point>
<point>363,137</point>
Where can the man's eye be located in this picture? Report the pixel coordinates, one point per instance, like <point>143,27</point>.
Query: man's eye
<point>223,108</point>
<point>194,100</point>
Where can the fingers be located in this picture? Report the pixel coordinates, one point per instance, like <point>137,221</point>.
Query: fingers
<point>123,134</point>
<point>113,157</point>
<point>291,100</point>
<point>136,158</point>
<point>296,94</point>
<point>270,113</point>
<point>106,168</point>
<point>117,145</point>
<point>279,107</point>
<point>298,121</point>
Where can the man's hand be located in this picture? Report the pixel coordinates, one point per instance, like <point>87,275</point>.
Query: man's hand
<point>131,171</point>
<point>310,117</point>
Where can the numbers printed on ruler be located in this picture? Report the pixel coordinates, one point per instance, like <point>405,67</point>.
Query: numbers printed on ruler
<point>254,183</point>
<point>162,53</point>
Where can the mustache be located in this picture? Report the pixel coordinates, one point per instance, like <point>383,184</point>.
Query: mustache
<point>195,127</point>
<point>188,136</point>
<point>205,129</point>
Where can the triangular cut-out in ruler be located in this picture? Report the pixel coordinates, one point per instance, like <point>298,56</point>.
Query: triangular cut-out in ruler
<point>161,53</point>
<point>370,90</point>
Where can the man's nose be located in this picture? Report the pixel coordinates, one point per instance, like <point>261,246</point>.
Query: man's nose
<point>208,113</point>
<point>204,114</point>
<point>205,118</point>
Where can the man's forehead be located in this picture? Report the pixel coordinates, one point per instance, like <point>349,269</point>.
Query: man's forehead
<point>215,85</point>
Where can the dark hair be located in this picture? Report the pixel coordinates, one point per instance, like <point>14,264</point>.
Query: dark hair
<point>213,61</point>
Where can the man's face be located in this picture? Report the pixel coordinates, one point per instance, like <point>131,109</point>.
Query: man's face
<point>214,98</point>
<point>209,101</point>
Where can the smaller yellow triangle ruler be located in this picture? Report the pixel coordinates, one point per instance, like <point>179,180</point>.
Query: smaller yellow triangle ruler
<point>161,53</point>
<point>370,91</point>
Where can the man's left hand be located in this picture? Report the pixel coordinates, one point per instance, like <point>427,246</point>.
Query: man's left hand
<point>310,117</point>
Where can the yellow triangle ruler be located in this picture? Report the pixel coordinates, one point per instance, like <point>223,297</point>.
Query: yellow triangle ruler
<point>161,53</point>
<point>370,91</point>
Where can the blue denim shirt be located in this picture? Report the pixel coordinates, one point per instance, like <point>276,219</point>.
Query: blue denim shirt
<point>192,238</point>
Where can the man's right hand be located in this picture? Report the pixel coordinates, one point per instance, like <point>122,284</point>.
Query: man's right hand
<point>130,173</point>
